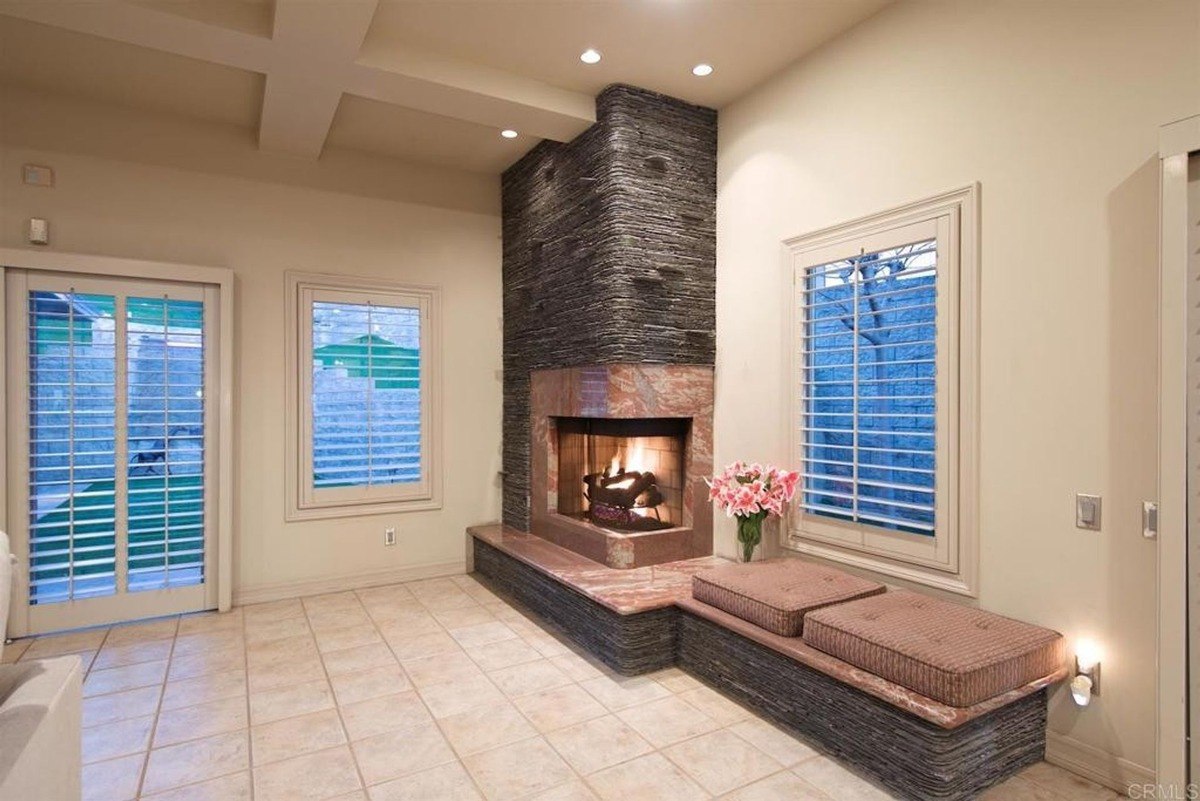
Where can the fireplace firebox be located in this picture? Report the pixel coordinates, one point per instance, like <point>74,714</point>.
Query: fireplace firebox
<point>618,458</point>
<point>630,471</point>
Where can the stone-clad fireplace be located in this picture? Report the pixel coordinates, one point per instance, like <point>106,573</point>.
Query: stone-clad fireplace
<point>609,332</point>
<point>643,427</point>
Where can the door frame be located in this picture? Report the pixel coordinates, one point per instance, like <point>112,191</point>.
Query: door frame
<point>1176,141</point>
<point>222,279</point>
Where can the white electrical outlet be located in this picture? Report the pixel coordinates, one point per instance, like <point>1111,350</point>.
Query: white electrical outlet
<point>389,535</point>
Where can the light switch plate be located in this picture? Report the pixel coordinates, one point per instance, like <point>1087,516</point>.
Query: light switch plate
<point>1087,512</point>
<point>1149,519</point>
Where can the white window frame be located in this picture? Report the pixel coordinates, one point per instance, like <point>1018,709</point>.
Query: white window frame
<point>304,501</point>
<point>949,559</point>
<point>222,321</point>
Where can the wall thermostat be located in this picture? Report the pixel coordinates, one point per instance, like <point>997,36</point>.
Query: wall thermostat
<point>37,175</point>
<point>39,231</point>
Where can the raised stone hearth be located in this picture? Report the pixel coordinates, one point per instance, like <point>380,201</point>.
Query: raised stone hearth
<point>679,394</point>
<point>639,621</point>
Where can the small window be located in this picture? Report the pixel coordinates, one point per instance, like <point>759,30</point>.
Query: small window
<point>364,398</point>
<point>883,328</point>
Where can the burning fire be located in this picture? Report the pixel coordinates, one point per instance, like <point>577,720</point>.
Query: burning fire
<point>632,462</point>
<point>615,467</point>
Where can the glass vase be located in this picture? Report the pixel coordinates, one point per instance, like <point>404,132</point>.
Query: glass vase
<point>749,534</point>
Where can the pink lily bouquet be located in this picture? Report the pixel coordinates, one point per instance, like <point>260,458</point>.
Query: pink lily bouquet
<point>750,493</point>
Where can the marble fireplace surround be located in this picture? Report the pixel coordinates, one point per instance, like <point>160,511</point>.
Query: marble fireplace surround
<point>623,391</point>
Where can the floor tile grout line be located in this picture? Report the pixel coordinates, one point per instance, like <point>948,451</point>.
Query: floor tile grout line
<point>578,773</point>
<point>143,749</point>
<point>614,713</point>
<point>249,725</point>
<point>441,731</point>
<point>507,699</point>
<point>163,684</point>
<point>162,691</point>
<point>249,712</point>
<point>1033,780</point>
<point>662,749</point>
<point>537,733</point>
<point>125,664</point>
<point>177,787</point>
<point>822,795</point>
<point>689,774</point>
<point>164,681</point>
<point>545,735</point>
<point>183,742</point>
<point>730,728</point>
<point>362,783</point>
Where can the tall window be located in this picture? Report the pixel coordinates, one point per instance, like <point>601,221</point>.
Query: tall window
<point>363,398</point>
<point>117,433</point>
<point>884,425</point>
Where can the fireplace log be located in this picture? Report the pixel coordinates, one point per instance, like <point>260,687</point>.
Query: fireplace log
<point>601,489</point>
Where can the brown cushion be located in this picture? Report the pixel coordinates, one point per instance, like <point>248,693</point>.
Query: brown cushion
<point>776,593</point>
<point>951,653</point>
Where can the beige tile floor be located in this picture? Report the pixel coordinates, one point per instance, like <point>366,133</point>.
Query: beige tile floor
<point>433,690</point>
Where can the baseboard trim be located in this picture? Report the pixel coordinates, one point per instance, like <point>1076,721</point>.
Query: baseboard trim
<point>1096,764</point>
<point>261,593</point>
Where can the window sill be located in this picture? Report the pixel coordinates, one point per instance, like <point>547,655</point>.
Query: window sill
<point>955,583</point>
<point>331,512</point>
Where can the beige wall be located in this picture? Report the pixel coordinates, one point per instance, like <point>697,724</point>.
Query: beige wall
<point>109,200</point>
<point>1054,108</point>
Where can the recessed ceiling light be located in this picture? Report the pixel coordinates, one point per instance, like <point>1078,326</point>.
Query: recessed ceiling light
<point>509,133</point>
<point>702,70</point>
<point>590,56</point>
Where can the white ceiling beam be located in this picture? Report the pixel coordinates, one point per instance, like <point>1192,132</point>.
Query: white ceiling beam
<point>296,115</point>
<point>314,44</point>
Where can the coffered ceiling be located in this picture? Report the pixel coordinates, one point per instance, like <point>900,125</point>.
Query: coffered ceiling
<point>430,81</point>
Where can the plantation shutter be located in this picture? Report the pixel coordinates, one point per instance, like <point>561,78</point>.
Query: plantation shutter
<point>165,441</point>
<point>72,446</point>
<point>366,405</point>
<point>868,355</point>
<point>116,434</point>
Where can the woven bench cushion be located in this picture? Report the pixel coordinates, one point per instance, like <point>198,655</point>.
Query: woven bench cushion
<point>951,653</point>
<point>775,594</point>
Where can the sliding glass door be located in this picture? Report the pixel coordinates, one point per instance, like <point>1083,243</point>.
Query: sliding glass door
<point>110,479</point>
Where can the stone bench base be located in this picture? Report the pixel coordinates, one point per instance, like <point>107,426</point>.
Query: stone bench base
<point>913,757</point>
<point>629,644</point>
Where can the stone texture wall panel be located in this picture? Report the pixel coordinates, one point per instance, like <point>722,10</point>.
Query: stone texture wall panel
<point>609,254</point>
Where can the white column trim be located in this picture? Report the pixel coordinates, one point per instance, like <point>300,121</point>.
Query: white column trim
<point>1175,142</point>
